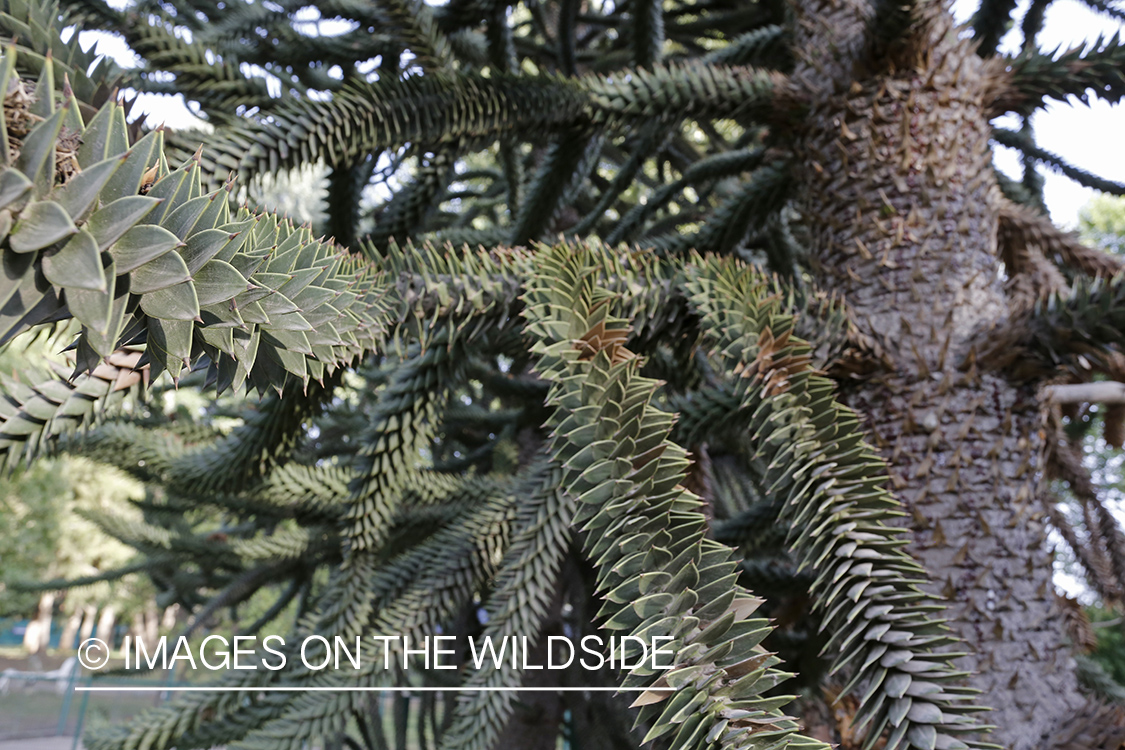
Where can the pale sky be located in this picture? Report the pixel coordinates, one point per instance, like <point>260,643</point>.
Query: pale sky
<point>1089,137</point>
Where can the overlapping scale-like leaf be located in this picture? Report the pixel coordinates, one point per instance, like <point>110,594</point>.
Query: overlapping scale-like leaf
<point>35,30</point>
<point>106,233</point>
<point>809,452</point>
<point>409,596</point>
<point>1068,322</point>
<point>103,231</point>
<point>34,414</point>
<point>526,583</point>
<point>442,107</point>
<point>1037,77</point>
<point>658,574</point>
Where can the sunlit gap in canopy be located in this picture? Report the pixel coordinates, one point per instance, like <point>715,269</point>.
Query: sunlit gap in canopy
<point>1067,24</point>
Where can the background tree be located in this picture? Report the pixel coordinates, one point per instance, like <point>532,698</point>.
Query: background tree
<point>625,428</point>
<point>43,533</point>
<point>1102,223</point>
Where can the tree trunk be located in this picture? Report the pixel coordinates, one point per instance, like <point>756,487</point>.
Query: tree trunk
<point>170,617</point>
<point>37,637</point>
<point>902,203</point>
<point>66,640</point>
<point>137,628</point>
<point>89,617</point>
<point>105,624</point>
<point>152,623</point>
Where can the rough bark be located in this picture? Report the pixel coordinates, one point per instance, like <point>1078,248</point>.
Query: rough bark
<point>903,207</point>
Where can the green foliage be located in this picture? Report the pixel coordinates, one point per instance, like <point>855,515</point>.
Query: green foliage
<point>658,573</point>
<point>45,533</point>
<point>1102,222</point>
<point>991,21</point>
<point>1110,651</point>
<point>472,108</point>
<point>1078,72</point>
<point>793,431</point>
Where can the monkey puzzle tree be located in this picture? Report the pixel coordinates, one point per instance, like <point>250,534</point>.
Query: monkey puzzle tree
<point>791,335</point>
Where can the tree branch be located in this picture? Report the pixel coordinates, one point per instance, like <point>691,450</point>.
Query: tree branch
<point>1035,78</point>
<point>1021,227</point>
<point>1025,144</point>
<point>1103,392</point>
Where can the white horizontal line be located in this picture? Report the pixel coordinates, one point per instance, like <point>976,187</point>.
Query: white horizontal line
<point>354,689</point>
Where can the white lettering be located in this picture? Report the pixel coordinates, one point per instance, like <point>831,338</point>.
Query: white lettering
<point>341,646</point>
<point>266,646</point>
<point>327,652</point>
<point>497,658</point>
<point>657,651</point>
<point>593,652</point>
<point>551,641</point>
<point>225,664</point>
<point>438,651</point>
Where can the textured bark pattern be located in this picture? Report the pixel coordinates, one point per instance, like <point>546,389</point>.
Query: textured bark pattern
<point>904,211</point>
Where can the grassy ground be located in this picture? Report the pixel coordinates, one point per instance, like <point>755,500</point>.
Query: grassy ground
<point>32,710</point>
<point>29,714</point>
<point>14,657</point>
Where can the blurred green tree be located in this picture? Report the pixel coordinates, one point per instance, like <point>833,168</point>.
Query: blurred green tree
<point>44,532</point>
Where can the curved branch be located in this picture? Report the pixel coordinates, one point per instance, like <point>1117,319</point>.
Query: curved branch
<point>1068,463</point>
<point>1034,78</point>
<point>1020,227</point>
<point>1026,145</point>
<point>439,108</point>
<point>990,23</point>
